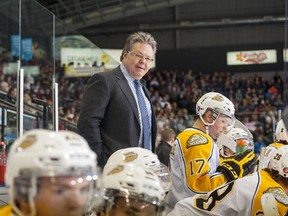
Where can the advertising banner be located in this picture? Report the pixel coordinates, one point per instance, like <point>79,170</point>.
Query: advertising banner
<point>252,57</point>
<point>85,61</point>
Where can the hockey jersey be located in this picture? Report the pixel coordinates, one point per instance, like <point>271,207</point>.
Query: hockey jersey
<point>193,160</point>
<point>266,155</point>
<point>236,198</point>
<point>6,211</point>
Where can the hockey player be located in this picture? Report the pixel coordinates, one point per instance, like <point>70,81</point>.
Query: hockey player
<point>236,141</point>
<point>281,135</point>
<point>132,190</point>
<point>194,160</point>
<point>245,196</point>
<point>141,157</point>
<point>50,173</point>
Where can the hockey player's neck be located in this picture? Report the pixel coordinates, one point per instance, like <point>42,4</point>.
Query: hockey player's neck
<point>200,125</point>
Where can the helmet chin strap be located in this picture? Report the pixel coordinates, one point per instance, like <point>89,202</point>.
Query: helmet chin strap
<point>208,132</point>
<point>207,129</point>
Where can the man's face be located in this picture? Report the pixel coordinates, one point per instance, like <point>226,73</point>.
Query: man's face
<point>228,151</point>
<point>221,124</point>
<point>131,207</point>
<point>138,60</point>
<point>61,196</point>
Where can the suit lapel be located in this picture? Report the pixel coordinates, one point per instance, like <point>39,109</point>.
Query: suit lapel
<point>123,84</point>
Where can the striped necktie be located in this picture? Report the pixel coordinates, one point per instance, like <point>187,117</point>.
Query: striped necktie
<point>144,116</point>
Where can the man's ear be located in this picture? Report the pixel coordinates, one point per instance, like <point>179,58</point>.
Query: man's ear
<point>208,116</point>
<point>123,55</point>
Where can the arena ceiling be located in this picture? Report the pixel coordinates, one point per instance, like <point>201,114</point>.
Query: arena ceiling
<point>100,17</point>
<point>176,23</point>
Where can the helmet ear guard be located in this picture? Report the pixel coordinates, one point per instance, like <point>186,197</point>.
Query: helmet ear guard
<point>214,113</point>
<point>209,117</point>
<point>21,188</point>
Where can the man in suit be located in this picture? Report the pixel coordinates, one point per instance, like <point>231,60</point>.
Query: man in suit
<point>110,117</point>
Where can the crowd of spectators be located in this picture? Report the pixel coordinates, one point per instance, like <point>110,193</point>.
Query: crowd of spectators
<point>173,93</point>
<point>257,101</point>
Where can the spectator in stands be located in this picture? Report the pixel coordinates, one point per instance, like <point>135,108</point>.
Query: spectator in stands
<point>110,116</point>
<point>238,95</point>
<point>12,94</point>
<point>259,144</point>
<point>164,147</point>
<point>4,88</point>
<point>172,82</point>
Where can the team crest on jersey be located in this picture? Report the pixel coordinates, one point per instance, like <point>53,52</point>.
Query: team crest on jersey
<point>130,156</point>
<point>196,139</point>
<point>279,195</point>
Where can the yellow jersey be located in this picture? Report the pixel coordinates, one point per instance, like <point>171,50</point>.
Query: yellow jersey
<point>237,198</point>
<point>6,211</point>
<point>193,160</point>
